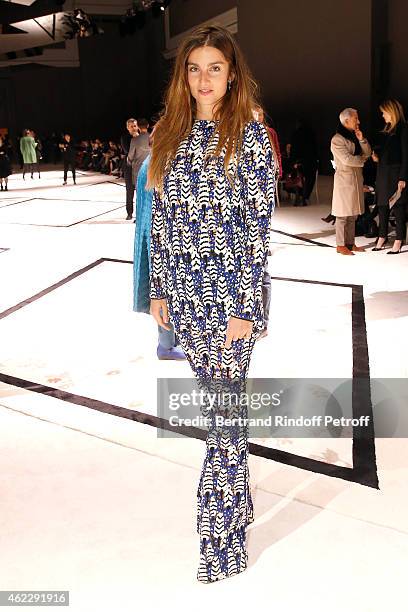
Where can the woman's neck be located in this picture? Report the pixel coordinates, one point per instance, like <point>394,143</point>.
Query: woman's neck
<point>205,113</point>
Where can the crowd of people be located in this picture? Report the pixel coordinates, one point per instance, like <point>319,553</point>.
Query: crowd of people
<point>297,161</point>
<point>95,155</point>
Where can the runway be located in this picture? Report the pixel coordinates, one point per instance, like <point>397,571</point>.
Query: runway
<point>104,503</point>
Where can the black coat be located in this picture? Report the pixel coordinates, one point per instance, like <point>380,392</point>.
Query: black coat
<point>125,141</point>
<point>68,152</point>
<point>393,164</point>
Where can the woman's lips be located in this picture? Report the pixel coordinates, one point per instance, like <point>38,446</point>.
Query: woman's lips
<point>205,92</point>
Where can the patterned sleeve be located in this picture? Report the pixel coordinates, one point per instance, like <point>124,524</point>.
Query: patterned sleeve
<point>257,173</point>
<point>157,237</point>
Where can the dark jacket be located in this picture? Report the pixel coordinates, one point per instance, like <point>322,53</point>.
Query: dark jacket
<point>392,167</point>
<point>68,152</point>
<point>138,151</point>
<point>125,142</point>
<point>393,150</point>
<point>304,145</point>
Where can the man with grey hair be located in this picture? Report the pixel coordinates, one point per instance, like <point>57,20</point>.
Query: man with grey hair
<point>132,131</point>
<point>350,151</point>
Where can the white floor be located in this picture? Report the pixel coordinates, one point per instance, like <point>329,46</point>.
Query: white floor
<point>100,505</point>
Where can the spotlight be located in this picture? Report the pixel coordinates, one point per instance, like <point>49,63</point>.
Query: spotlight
<point>157,6</point>
<point>79,25</point>
<point>135,17</point>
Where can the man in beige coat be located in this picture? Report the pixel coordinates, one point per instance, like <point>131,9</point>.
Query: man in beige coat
<point>350,151</point>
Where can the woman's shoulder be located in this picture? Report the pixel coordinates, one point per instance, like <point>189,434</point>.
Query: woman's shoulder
<point>255,133</point>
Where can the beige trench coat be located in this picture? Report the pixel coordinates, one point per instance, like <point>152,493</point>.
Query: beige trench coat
<point>348,196</point>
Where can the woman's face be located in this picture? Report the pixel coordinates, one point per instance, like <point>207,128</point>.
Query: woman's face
<point>258,115</point>
<point>208,72</point>
<point>386,116</point>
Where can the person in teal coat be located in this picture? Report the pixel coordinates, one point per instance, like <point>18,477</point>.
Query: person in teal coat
<point>28,151</point>
<point>168,347</point>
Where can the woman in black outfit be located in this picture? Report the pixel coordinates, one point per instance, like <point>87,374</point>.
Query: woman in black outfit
<point>69,157</point>
<point>5,164</point>
<point>303,151</point>
<point>392,173</point>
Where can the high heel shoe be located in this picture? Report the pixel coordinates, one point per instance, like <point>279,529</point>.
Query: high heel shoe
<point>381,248</point>
<point>329,219</point>
<point>395,252</point>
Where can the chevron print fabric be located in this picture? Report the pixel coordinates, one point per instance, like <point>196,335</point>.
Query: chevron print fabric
<point>209,244</point>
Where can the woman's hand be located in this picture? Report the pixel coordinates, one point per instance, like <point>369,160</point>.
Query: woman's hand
<point>401,185</point>
<point>160,313</point>
<point>237,329</point>
<point>374,157</point>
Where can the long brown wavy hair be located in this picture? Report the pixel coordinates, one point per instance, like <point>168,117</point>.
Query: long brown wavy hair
<point>177,116</point>
<point>396,111</point>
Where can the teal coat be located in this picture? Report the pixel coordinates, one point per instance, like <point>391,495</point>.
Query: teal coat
<point>28,149</point>
<point>141,259</point>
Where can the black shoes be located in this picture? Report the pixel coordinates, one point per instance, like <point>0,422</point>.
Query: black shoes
<point>329,219</point>
<point>394,252</point>
<point>381,248</point>
<point>385,246</point>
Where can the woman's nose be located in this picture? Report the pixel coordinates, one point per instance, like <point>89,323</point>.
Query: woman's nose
<point>204,78</point>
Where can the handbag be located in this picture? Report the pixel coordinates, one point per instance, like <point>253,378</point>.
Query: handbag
<point>293,181</point>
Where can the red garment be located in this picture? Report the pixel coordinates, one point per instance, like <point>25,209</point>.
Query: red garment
<point>275,141</point>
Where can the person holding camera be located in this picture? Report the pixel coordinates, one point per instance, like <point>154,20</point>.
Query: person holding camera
<point>68,157</point>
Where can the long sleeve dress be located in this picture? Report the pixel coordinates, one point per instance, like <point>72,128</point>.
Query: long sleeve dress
<point>209,244</point>
<point>141,251</point>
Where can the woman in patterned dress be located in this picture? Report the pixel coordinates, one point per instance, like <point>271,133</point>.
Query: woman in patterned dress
<point>213,173</point>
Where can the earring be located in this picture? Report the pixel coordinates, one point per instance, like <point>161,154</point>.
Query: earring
<point>229,85</point>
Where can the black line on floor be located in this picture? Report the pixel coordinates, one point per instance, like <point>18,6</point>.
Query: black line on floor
<point>101,183</point>
<point>364,470</point>
<point>322,244</point>
<point>364,457</point>
<point>315,282</point>
<point>96,216</point>
<point>41,294</point>
<point>65,226</point>
<point>304,463</point>
<point>19,202</point>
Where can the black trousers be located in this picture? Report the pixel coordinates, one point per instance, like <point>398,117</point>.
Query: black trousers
<point>130,191</point>
<point>67,166</point>
<point>28,168</point>
<point>309,170</point>
<point>399,209</point>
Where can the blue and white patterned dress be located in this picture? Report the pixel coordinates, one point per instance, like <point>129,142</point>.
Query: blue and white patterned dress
<point>209,244</point>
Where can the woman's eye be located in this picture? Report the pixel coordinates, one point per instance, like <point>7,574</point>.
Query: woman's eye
<point>193,68</point>
<point>216,68</point>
